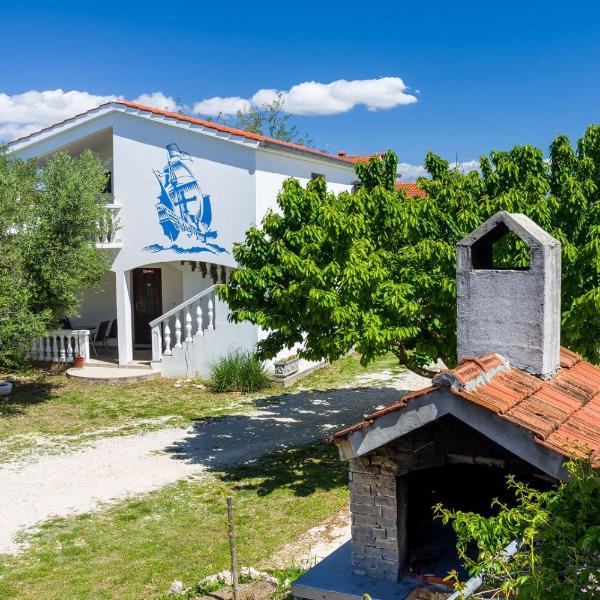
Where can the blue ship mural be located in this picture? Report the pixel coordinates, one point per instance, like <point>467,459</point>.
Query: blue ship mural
<point>184,212</point>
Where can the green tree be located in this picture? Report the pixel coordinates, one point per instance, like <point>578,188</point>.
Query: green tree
<point>269,119</point>
<point>50,219</point>
<point>558,536</point>
<point>375,270</point>
<point>325,269</point>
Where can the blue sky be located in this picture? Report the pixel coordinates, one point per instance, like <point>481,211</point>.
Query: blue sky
<point>484,75</point>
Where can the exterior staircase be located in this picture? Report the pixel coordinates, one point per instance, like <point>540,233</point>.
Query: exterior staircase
<point>190,337</point>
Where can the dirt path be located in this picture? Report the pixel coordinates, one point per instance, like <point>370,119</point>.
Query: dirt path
<point>113,468</point>
<point>315,544</point>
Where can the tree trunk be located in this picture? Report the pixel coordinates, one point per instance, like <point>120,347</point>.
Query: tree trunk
<point>405,361</point>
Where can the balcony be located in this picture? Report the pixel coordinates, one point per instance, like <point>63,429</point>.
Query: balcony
<point>110,233</point>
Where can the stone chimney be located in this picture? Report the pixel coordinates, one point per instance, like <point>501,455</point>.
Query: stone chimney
<point>513,312</point>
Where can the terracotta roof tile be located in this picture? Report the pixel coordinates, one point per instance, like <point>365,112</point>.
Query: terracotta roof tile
<point>568,358</point>
<point>411,188</point>
<point>558,398</point>
<point>563,413</point>
<point>359,158</point>
<point>536,414</point>
<point>466,371</point>
<point>499,403</point>
<point>203,123</point>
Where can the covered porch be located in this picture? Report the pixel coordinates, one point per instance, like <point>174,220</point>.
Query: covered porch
<point>137,317</point>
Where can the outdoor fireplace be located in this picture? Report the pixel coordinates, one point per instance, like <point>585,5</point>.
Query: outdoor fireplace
<point>394,488</point>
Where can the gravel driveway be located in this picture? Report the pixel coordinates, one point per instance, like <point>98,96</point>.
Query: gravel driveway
<point>116,467</point>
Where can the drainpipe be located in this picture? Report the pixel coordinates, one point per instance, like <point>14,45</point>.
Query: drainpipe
<point>475,583</point>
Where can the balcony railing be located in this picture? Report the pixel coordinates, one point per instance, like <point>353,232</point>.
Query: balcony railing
<point>110,230</point>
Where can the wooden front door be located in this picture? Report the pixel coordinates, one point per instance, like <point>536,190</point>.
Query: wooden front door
<point>147,302</point>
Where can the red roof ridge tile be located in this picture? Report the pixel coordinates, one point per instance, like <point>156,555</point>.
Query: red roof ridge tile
<point>360,158</point>
<point>472,372</point>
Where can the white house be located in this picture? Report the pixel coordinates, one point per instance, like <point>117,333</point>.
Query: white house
<point>183,191</point>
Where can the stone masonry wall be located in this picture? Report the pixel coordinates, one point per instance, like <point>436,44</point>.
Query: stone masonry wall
<point>374,504</point>
<point>378,492</point>
<point>378,503</point>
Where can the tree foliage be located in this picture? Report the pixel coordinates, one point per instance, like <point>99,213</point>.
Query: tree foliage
<point>375,270</point>
<point>269,119</point>
<point>558,532</point>
<point>50,219</point>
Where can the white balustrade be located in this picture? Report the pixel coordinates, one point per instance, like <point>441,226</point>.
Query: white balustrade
<point>167,350</point>
<point>156,342</point>
<point>193,312</point>
<point>188,325</point>
<point>109,235</point>
<point>61,346</point>
<point>211,315</point>
<point>178,331</point>
<point>199,330</point>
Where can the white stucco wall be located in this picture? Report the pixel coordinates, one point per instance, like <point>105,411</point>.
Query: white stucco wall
<point>273,168</point>
<point>194,283</point>
<point>224,170</point>
<point>98,304</point>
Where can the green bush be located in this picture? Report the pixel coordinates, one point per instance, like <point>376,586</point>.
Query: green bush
<point>238,371</point>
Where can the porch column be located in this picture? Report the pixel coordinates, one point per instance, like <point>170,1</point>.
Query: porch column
<point>125,330</point>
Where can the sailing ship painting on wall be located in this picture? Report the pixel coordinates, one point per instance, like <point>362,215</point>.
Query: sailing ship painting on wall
<point>184,212</point>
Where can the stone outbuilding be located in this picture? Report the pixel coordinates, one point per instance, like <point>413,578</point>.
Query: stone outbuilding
<point>517,403</point>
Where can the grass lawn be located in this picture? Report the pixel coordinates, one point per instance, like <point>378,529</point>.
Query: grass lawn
<point>51,405</point>
<point>137,548</point>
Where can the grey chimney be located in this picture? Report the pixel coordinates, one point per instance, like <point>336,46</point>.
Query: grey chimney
<point>513,312</point>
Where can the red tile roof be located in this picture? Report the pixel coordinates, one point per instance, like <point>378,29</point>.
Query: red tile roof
<point>411,188</point>
<point>359,158</point>
<point>208,124</point>
<point>563,412</point>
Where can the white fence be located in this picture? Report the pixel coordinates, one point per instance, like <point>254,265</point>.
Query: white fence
<point>61,346</point>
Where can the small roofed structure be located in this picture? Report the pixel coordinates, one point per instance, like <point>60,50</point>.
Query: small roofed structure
<point>517,403</point>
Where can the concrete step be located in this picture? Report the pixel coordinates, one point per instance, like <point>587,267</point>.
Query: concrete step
<point>97,374</point>
<point>95,363</point>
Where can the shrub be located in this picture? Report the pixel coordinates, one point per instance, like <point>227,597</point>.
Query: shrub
<point>238,371</point>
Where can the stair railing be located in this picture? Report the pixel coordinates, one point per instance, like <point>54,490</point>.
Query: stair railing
<point>183,323</point>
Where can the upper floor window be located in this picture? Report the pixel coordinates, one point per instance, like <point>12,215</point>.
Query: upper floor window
<point>108,186</point>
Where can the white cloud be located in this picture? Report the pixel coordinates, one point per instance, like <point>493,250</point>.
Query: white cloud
<point>30,111</point>
<point>21,114</point>
<point>14,131</point>
<point>314,98</point>
<point>46,107</point>
<point>410,172</point>
<point>466,166</point>
<point>158,100</point>
<point>217,105</point>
